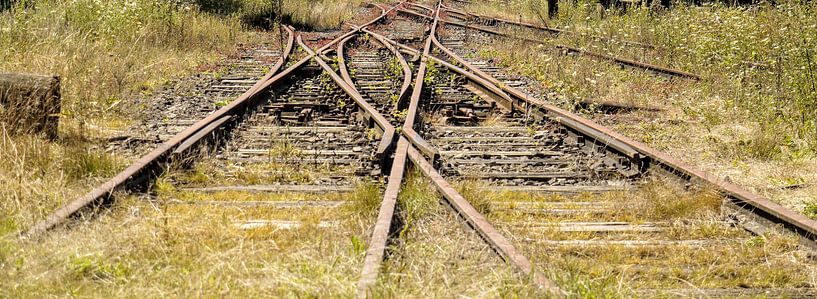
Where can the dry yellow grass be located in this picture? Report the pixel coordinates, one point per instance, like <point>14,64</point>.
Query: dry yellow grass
<point>716,255</point>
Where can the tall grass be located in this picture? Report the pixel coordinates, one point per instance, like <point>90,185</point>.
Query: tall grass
<point>107,53</point>
<point>108,50</point>
<point>38,176</point>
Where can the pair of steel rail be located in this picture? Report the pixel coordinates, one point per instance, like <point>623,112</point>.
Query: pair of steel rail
<point>410,146</point>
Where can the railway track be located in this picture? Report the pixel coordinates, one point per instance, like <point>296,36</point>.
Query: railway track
<point>551,193</point>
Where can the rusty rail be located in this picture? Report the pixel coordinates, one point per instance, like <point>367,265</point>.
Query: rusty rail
<point>410,146</point>
<point>371,112</point>
<point>496,240</point>
<point>145,165</point>
<point>500,244</point>
<point>551,30</point>
<point>621,61</point>
<point>377,245</point>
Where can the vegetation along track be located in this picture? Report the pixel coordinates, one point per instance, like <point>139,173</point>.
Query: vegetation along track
<point>559,198</point>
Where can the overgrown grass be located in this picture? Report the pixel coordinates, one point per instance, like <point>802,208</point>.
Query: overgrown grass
<point>727,256</point>
<point>108,51</point>
<point>107,54</point>
<point>37,176</point>
<point>158,249</point>
<point>306,14</point>
<point>750,119</point>
<point>758,62</point>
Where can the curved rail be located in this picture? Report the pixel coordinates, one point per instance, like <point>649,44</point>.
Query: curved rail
<point>382,122</point>
<point>412,147</point>
<point>380,233</point>
<point>487,232</point>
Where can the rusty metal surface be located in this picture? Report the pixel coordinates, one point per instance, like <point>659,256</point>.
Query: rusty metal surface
<point>200,135</point>
<point>418,82</point>
<point>411,145</point>
<point>520,23</point>
<point>382,122</point>
<point>477,221</point>
<point>380,233</point>
<point>502,245</point>
<point>545,28</point>
<point>344,71</point>
<point>377,245</point>
<point>578,126</point>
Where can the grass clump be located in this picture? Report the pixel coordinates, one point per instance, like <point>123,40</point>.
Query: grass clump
<point>670,201</point>
<point>96,268</point>
<point>471,190</point>
<point>160,248</point>
<point>106,51</point>
<point>306,14</point>
<point>38,175</point>
<point>810,210</point>
<point>751,117</point>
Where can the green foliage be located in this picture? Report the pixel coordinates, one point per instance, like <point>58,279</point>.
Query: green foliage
<point>109,49</point>
<point>472,192</point>
<point>310,14</point>
<point>416,200</point>
<point>810,210</point>
<point>358,246</point>
<point>79,163</point>
<point>431,72</point>
<point>96,268</point>
<point>366,199</point>
<point>222,103</point>
<point>401,115</point>
<point>671,202</point>
<point>395,70</point>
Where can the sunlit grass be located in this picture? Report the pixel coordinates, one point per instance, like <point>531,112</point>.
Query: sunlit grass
<point>720,255</point>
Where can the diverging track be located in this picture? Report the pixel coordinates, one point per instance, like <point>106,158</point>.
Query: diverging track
<point>557,197</point>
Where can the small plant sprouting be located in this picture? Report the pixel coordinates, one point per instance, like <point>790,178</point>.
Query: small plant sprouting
<point>222,103</point>
<point>531,131</point>
<point>371,134</point>
<point>431,72</point>
<point>400,114</point>
<point>394,68</point>
<point>395,100</point>
<point>810,210</point>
